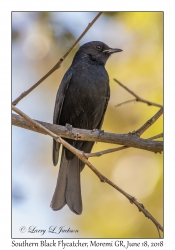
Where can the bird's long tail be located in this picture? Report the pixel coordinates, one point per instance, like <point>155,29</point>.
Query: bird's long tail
<point>68,189</point>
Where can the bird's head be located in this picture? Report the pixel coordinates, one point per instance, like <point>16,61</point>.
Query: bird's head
<point>96,51</point>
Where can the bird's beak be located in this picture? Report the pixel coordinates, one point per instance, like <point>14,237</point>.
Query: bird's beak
<point>111,51</point>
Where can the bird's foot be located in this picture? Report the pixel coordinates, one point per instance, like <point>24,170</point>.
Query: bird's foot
<point>100,132</point>
<point>77,136</point>
<point>69,128</point>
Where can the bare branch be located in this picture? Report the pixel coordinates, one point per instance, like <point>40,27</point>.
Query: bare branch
<point>57,65</point>
<point>107,151</point>
<point>158,231</point>
<point>149,123</point>
<point>120,104</point>
<point>84,32</point>
<point>156,136</point>
<point>34,124</point>
<point>139,132</point>
<point>112,150</point>
<point>138,99</point>
<point>81,156</point>
<point>130,140</point>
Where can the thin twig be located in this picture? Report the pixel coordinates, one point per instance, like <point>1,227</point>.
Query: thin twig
<point>158,232</point>
<point>139,132</point>
<point>138,98</point>
<point>156,136</point>
<point>149,123</point>
<point>107,151</point>
<point>57,65</point>
<point>81,156</point>
<point>112,150</point>
<point>120,104</point>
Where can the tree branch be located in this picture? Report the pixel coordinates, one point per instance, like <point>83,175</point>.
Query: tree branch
<point>111,150</point>
<point>81,156</point>
<point>138,132</point>
<point>57,65</point>
<point>150,122</point>
<point>138,99</point>
<point>120,104</point>
<point>130,140</point>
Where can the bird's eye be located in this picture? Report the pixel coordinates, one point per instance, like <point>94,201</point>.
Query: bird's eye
<point>98,47</point>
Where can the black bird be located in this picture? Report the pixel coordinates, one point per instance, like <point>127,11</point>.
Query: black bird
<point>81,101</point>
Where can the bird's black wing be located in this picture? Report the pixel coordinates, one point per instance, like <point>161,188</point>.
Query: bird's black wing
<point>106,104</point>
<point>57,110</point>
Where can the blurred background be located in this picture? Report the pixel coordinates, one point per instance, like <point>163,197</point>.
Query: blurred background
<point>39,39</point>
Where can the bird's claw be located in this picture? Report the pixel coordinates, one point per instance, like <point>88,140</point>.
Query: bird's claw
<point>100,132</point>
<point>69,127</point>
<point>77,136</point>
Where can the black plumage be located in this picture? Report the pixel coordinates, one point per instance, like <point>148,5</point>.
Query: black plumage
<point>81,101</point>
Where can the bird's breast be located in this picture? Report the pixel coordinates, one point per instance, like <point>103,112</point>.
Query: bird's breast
<point>86,97</point>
